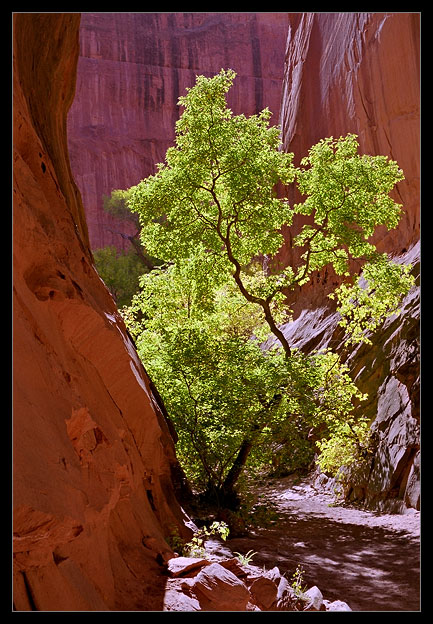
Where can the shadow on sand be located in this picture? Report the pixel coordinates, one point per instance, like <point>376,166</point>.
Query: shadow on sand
<point>372,568</point>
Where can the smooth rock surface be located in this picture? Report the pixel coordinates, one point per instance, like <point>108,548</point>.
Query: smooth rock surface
<point>131,71</point>
<point>93,457</point>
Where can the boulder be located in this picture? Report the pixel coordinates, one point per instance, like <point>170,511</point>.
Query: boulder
<point>274,574</point>
<point>264,592</point>
<point>218,589</point>
<point>337,605</point>
<point>234,566</point>
<point>286,597</point>
<point>175,599</point>
<point>314,599</point>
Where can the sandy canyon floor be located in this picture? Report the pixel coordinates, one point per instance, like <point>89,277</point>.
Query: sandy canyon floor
<point>369,560</point>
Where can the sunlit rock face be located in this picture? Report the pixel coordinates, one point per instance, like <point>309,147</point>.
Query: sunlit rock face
<point>131,71</point>
<point>93,458</point>
<point>359,73</point>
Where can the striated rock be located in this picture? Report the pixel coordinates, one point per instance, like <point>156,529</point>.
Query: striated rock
<point>344,72</point>
<point>412,493</point>
<point>389,371</point>
<point>132,69</point>
<point>93,457</point>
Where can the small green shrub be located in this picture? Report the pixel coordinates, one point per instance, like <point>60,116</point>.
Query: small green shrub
<point>195,548</point>
<point>298,584</point>
<point>245,559</point>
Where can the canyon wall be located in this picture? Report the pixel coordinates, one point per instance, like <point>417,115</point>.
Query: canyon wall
<point>132,69</point>
<point>359,73</point>
<point>93,459</point>
<point>327,74</point>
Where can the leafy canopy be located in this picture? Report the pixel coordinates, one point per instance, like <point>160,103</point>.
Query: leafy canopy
<point>219,386</point>
<point>217,181</point>
<point>216,194</point>
<point>212,213</point>
<point>120,272</point>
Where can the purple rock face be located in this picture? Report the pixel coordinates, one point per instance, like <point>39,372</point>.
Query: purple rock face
<point>131,71</point>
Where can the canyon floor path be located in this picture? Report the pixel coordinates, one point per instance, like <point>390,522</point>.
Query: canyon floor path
<point>369,560</point>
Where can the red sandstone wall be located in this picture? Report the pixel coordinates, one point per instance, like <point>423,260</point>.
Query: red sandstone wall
<point>358,72</point>
<point>131,71</point>
<point>92,457</point>
<point>355,72</point>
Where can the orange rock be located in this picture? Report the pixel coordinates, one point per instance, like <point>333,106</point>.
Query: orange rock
<point>93,457</point>
<point>264,592</point>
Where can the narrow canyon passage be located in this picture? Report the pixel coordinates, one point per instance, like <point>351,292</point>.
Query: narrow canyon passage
<point>369,560</point>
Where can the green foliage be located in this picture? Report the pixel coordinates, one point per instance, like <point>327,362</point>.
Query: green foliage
<point>257,511</point>
<point>348,196</point>
<point>196,547</point>
<point>298,584</point>
<point>348,444</point>
<point>377,294</point>
<point>218,385</point>
<point>211,212</point>
<point>216,382</point>
<point>116,205</point>
<point>120,271</point>
<point>245,559</point>
<point>217,179</point>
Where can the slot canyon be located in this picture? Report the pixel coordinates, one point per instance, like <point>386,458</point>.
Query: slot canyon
<point>97,485</point>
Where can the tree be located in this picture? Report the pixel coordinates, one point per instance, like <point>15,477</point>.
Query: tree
<point>211,212</point>
<point>116,205</point>
<point>228,398</point>
<point>120,272</point>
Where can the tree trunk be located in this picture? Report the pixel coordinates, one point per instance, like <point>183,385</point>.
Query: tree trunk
<point>140,253</point>
<point>227,487</point>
